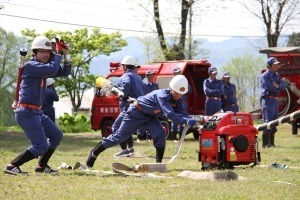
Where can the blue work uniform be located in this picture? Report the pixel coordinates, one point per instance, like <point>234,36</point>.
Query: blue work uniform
<point>132,86</point>
<point>145,112</point>
<point>269,97</point>
<point>229,100</point>
<point>50,97</point>
<point>149,87</point>
<point>213,89</point>
<point>39,129</point>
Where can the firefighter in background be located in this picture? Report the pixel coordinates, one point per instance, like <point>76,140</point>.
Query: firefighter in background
<point>50,97</point>
<point>271,85</point>
<point>145,112</point>
<point>149,87</point>
<point>132,86</point>
<point>213,89</point>
<point>229,100</point>
<point>176,128</point>
<point>39,129</point>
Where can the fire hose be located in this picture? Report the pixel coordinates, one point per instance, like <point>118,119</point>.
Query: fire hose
<point>277,122</point>
<point>23,53</point>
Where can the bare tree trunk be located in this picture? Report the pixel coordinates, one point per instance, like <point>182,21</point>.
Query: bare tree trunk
<point>159,29</point>
<point>274,14</point>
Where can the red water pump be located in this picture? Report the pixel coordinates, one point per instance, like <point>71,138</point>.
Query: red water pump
<point>228,139</point>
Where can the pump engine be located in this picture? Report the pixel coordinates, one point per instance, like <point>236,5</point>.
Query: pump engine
<point>228,139</point>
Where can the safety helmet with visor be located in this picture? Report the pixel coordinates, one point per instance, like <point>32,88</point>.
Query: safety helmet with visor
<point>128,60</point>
<point>179,84</point>
<point>49,81</point>
<point>41,42</point>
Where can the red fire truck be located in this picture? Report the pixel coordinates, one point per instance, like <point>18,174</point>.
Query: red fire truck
<point>105,109</point>
<point>289,71</point>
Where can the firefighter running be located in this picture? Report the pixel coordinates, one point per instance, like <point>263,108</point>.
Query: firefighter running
<point>144,112</point>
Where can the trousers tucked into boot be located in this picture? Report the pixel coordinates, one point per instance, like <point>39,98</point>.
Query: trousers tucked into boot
<point>265,140</point>
<point>159,154</point>
<point>272,139</point>
<point>43,161</point>
<point>98,149</point>
<point>22,158</point>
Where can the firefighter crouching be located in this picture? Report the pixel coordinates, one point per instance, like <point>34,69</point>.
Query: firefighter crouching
<point>145,112</point>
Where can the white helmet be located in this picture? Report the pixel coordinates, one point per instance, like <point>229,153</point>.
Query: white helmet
<point>128,60</point>
<point>179,84</point>
<point>41,42</point>
<point>50,81</point>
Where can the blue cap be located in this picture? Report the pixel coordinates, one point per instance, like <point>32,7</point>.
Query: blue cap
<point>272,60</point>
<point>149,71</point>
<point>176,70</point>
<point>212,70</point>
<point>226,74</point>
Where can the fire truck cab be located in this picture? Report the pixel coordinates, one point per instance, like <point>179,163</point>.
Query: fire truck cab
<point>105,109</point>
<point>289,100</point>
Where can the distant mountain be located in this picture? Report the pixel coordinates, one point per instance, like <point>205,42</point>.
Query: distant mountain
<point>220,53</point>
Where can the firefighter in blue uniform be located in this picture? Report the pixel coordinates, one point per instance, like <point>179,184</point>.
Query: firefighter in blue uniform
<point>176,128</point>
<point>229,100</point>
<point>144,112</point>
<point>271,85</point>
<point>149,87</point>
<point>213,89</point>
<point>132,86</point>
<point>39,129</point>
<point>50,97</point>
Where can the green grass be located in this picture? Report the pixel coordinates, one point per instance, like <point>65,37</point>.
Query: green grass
<point>261,183</point>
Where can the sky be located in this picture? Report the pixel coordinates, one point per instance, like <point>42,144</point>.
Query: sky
<point>215,21</point>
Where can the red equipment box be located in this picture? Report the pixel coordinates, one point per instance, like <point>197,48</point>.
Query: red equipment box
<point>228,139</point>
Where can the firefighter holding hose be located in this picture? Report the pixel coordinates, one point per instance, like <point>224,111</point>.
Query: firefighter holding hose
<point>145,112</point>
<point>39,129</point>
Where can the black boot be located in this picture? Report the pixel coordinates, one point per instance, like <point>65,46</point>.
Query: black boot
<point>94,153</point>
<point>265,140</point>
<point>272,139</point>
<point>13,168</point>
<point>173,136</point>
<point>159,154</point>
<point>45,158</point>
<point>22,158</point>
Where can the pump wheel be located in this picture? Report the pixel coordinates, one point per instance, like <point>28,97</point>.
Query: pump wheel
<point>241,143</point>
<point>106,128</point>
<point>166,127</point>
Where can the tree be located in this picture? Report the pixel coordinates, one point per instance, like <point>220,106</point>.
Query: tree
<point>9,57</point>
<point>245,72</point>
<point>294,40</point>
<point>84,46</point>
<point>172,46</point>
<point>275,14</point>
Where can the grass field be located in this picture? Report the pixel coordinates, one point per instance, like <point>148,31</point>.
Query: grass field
<point>262,182</point>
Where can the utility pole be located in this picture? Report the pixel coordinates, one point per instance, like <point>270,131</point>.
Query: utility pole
<point>190,35</point>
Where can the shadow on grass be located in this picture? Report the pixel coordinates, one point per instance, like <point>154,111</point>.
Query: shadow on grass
<point>17,141</point>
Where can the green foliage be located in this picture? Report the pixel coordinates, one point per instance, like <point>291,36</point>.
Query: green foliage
<point>294,40</point>
<point>6,112</point>
<point>74,123</point>
<point>84,46</point>
<point>245,72</point>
